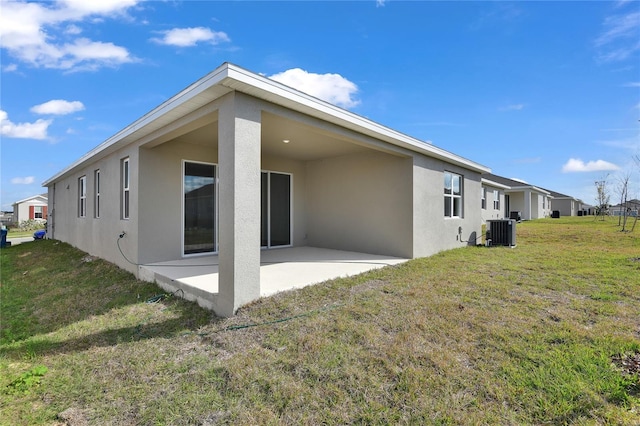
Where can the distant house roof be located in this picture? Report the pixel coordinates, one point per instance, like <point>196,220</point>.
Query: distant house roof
<point>635,203</point>
<point>44,197</point>
<point>512,184</point>
<point>560,196</point>
<point>490,182</point>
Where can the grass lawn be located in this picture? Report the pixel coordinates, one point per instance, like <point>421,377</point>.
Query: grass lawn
<point>19,234</point>
<point>544,333</point>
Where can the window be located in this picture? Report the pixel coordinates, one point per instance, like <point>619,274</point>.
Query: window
<point>452,195</point>
<point>82,196</point>
<point>483,194</point>
<point>199,208</point>
<point>496,200</point>
<point>37,212</point>
<point>125,188</point>
<point>96,192</point>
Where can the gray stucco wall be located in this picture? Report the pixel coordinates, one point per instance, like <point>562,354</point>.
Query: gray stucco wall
<point>360,203</point>
<point>565,206</point>
<point>97,236</point>
<point>161,197</point>
<point>489,213</point>
<point>432,231</point>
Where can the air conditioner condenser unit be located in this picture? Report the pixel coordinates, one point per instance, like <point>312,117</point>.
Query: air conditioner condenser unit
<point>501,232</point>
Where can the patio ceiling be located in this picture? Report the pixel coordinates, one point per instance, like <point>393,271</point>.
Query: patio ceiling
<point>306,142</point>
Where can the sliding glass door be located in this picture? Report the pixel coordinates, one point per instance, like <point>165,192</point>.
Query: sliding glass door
<point>200,209</point>
<point>199,189</point>
<point>275,218</point>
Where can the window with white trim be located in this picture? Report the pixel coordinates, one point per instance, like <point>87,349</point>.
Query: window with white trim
<point>82,196</point>
<point>452,195</point>
<point>37,212</point>
<point>483,194</point>
<point>125,202</point>
<point>96,193</point>
<point>496,200</point>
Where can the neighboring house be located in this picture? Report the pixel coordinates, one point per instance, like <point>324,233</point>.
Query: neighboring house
<point>567,205</point>
<point>32,208</point>
<point>493,200</point>
<point>531,202</point>
<point>632,207</point>
<point>236,163</point>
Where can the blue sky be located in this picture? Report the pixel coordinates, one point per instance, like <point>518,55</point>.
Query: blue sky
<point>546,92</point>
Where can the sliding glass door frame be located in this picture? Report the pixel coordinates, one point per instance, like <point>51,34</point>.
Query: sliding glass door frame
<point>215,209</point>
<point>268,208</point>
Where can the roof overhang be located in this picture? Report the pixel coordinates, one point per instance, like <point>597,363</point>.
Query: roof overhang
<point>528,188</point>
<point>228,78</point>
<point>489,182</point>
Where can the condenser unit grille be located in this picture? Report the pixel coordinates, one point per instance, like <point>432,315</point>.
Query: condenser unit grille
<point>502,232</point>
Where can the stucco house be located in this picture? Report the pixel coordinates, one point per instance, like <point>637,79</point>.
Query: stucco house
<point>530,201</point>
<point>31,208</point>
<point>493,200</point>
<point>237,165</point>
<point>567,205</point>
<point>631,207</point>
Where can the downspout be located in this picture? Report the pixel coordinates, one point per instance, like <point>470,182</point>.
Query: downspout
<point>50,222</point>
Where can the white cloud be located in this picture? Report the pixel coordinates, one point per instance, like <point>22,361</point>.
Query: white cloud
<point>10,68</point>
<point>632,84</point>
<point>617,27</point>
<point>513,107</point>
<point>73,30</point>
<point>577,165</point>
<point>43,34</point>
<point>37,130</point>
<point>185,37</point>
<point>101,7</point>
<point>332,88</point>
<point>28,180</point>
<point>58,107</point>
<point>630,143</point>
<point>619,38</point>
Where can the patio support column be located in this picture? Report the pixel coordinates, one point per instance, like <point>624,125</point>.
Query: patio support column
<point>239,122</point>
<point>527,205</point>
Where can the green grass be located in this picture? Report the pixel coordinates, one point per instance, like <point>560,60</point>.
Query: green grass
<point>525,335</point>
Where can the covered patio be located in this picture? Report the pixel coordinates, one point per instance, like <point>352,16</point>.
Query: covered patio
<point>196,278</point>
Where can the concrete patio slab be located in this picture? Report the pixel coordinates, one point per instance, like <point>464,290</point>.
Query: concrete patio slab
<point>280,270</point>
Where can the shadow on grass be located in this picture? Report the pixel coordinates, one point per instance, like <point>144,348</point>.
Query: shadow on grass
<point>48,285</point>
<point>187,322</point>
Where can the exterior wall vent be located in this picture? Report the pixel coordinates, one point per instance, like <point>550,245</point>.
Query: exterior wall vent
<point>501,233</point>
